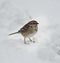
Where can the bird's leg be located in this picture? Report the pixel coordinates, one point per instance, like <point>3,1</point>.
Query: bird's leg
<point>24,40</point>
<point>30,39</point>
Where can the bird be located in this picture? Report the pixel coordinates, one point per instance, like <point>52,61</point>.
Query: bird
<point>28,30</point>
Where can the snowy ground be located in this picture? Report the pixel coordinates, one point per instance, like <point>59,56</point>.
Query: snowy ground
<point>13,17</point>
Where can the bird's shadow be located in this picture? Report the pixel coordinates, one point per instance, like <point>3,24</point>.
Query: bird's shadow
<point>13,42</point>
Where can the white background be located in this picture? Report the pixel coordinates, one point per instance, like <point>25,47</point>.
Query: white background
<point>13,15</point>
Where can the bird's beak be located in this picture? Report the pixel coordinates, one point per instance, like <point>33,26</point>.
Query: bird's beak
<point>37,23</point>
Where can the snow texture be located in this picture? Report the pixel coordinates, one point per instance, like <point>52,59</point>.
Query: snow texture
<point>13,16</point>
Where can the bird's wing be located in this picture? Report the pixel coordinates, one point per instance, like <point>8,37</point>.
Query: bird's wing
<point>24,28</point>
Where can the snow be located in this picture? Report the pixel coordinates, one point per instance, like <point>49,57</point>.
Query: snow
<point>46,49</point>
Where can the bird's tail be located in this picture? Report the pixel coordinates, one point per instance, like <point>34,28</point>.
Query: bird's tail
<point>13,33</point>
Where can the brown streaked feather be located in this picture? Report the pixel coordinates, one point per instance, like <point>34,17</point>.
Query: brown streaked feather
<point>27,26</point>
<point>24,28</point>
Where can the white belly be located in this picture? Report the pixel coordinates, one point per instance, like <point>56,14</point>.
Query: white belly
<point>32,34</point>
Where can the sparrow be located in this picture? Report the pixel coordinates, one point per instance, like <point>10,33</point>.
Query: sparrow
<point>28,30</point>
